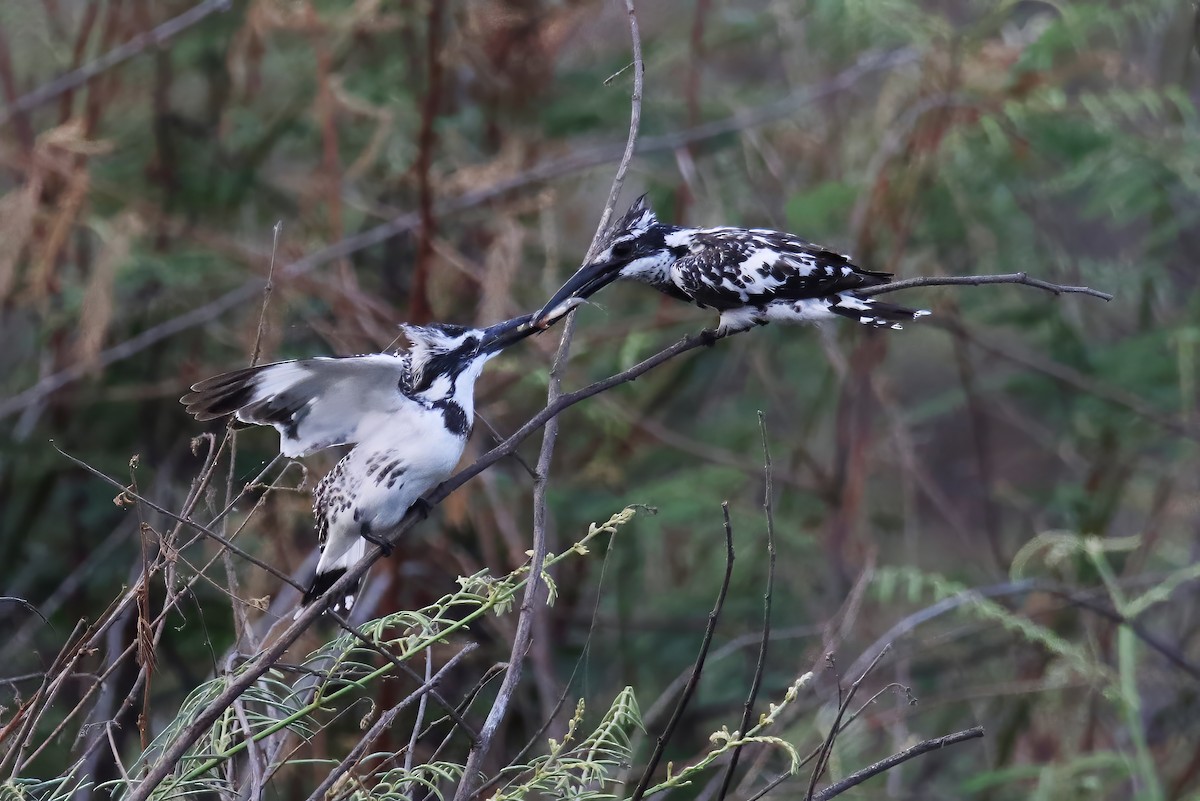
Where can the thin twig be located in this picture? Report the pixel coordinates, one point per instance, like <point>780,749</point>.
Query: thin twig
<point>205,530</point>
<point>256,354</point>
<point>357,633</point>
<point>416,732</point>
<point>8,599</point>
<point>858,777</point>
<point>689,689</point>
<point>979,280</point>
<point>761,664</point>
<point>461,709</point>
<point>827,746</point>
<point>385,721</point>
<point>116,752</point>
<point>497,439</point>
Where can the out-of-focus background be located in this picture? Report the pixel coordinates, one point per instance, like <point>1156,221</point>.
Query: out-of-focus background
<point>449,161</point>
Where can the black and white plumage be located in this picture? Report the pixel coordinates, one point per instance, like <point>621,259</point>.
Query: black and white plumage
<point>408,416</point>
<point>752,276</point>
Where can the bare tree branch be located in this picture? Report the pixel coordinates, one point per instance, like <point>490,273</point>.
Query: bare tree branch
<point>827,747</point>
<point>761,664</point>
<point>858,777</point>
<point>979,280</point>
<point>356,632</point>
<point>384,722</point>
<point>8,599</point>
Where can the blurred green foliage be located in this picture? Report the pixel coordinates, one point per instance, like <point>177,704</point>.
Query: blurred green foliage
<point>1058,139</point>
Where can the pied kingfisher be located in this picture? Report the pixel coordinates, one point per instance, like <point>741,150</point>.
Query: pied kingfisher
<point>752,276</point>
<point>408,416</point>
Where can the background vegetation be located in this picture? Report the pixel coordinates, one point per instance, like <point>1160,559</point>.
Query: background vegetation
<point>448,161</point>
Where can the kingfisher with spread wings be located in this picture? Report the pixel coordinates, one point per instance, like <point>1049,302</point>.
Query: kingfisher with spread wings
<point>407,415</point>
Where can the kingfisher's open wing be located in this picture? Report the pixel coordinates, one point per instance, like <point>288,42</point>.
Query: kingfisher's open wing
<point>733,267</point>
<point>314,403</point>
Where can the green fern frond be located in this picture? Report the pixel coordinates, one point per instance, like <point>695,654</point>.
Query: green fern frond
<point>347,666</point>
<point>941,588</point>
<point>57,789</point>
<point>725,741</point>
<point>1058,546</point>
<point>400,785</point>
<point>585,770</point>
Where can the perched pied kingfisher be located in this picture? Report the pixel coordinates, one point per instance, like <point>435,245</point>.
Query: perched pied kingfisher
<point>752,276</point>
<point>408,416</point>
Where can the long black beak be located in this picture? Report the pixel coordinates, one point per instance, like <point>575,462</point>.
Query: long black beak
<point>497,337</point>
<point>587,281</point>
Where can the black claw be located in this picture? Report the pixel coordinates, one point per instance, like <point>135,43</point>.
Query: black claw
<point>421,507</point>
<point>709,337</point>
<point>367,534</point>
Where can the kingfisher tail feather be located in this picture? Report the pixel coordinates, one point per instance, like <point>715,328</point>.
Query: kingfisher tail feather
<point>875,313</point>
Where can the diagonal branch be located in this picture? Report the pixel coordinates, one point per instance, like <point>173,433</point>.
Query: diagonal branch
<point>451,712</point>
<point>924,747</point>
<point>827,747</point>
<point>385,722</point>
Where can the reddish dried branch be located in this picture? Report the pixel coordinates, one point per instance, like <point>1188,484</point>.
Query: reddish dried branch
<point>419,311</point>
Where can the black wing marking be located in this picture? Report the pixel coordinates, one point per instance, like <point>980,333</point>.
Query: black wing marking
<point>730,268</point>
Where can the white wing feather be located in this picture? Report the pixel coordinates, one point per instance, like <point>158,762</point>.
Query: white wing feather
<point>313,403</point>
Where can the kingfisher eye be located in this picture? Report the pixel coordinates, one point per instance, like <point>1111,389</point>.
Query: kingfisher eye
<point>622,249</point>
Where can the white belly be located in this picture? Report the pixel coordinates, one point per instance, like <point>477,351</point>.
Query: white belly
<point>394,471</point>
<point>376,483</point>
